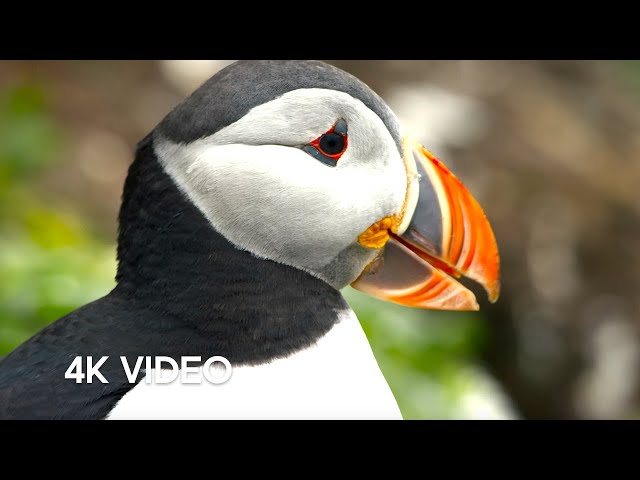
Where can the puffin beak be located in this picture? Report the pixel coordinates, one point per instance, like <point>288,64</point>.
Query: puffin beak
<point>441,235</point>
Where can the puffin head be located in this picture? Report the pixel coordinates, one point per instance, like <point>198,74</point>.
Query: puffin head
<point>301,163</point>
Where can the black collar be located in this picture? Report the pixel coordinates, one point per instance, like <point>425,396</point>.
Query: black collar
<point>175,265</point>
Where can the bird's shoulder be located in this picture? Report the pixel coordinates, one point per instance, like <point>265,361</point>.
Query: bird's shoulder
<point>33,383</point>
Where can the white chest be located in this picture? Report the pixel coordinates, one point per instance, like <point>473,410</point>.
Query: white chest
<point>337,378</point>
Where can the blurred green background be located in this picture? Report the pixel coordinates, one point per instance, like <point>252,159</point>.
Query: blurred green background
<point>551,149</point>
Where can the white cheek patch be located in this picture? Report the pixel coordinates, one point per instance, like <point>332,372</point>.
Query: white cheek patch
<point>278,202</point>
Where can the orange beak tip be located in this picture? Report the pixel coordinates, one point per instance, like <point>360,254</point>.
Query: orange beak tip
<point>464,301</point>
<point>494,292</point>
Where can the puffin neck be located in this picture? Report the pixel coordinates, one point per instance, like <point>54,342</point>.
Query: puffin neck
<point>175,265</point>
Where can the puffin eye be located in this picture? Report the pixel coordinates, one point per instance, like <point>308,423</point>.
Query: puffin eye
<point>331,144</point>
<point>329,147</point>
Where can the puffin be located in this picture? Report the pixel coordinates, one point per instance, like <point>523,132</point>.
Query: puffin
<point>246,210</point>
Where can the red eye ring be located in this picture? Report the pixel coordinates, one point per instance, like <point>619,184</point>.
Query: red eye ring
<point>329,147</point>
<point>331,144</point>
